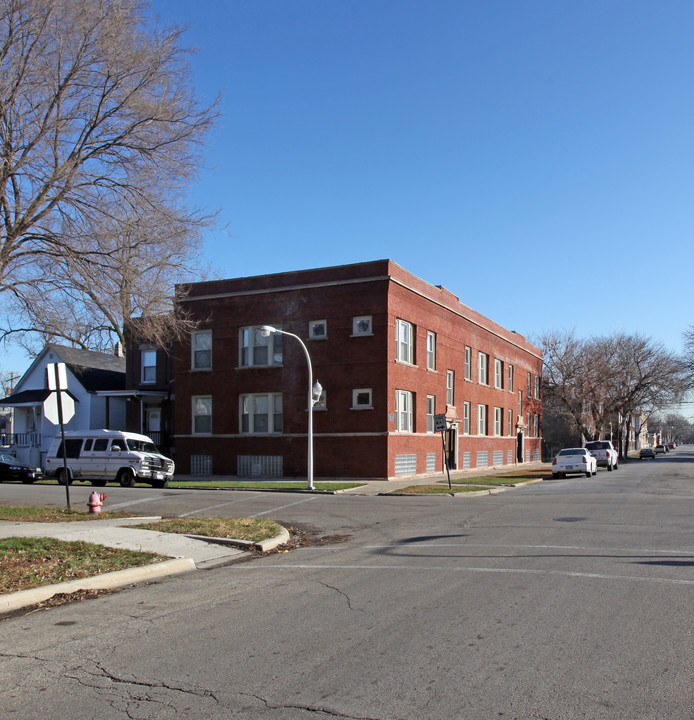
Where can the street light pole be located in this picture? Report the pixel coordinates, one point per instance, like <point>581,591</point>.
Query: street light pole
<point>314,393</point>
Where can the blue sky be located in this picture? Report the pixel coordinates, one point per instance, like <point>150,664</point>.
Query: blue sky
<point>532,156</point>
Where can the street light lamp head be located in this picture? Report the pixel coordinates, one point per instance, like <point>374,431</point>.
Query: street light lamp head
<point>317,391</point>
<point>265,330</point>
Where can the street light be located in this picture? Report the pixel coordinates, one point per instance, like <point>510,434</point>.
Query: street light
<point>314,393</point>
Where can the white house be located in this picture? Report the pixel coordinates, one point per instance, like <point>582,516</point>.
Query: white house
<point>91,377</point>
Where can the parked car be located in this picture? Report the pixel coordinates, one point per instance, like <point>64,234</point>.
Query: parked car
<point>102,455</point>
<point>647,454</point>
<point>605,453</point>
<point>12,469</point>
<point>660,449</point>
<point>574,460</point>
<point>672,446</point>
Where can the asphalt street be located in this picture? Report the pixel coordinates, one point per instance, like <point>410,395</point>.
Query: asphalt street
<point>566,599</point>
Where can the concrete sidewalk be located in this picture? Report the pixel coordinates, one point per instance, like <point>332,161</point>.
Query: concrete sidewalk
<point>187,553</point>
<point>380,487</point>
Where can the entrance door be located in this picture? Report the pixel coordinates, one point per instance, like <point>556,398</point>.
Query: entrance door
<point>519,447</point>
<point>452,447</point>
<point>152,421</point>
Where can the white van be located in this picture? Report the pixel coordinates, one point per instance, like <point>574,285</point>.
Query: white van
<point>103,455</point>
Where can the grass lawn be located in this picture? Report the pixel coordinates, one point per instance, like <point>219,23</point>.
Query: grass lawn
<point>31,562</point>
<point>238,485</point>
<point>439,489</point>
<point>27,563</point>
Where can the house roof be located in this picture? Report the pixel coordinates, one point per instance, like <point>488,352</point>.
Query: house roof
<point>94,370</point>
<point>29,397</point>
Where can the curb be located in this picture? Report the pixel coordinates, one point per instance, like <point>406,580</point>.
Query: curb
<point>107,581</point>
<point>262,545</point>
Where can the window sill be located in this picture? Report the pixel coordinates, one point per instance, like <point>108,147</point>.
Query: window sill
<point>362,407</point>
<point>356,335</point>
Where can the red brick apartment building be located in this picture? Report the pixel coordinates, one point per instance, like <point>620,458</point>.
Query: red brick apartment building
<point>390,351</point>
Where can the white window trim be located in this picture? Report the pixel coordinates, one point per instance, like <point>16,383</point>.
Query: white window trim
<point>467,411</point>
<point>355,326</point>
<point>408,344</point>
<point>195,415</point>
<point>431,405</point>
<point>193,335</point>
<point>431,350</point>
<point>404,405</point>
<point>312,327</point>
<point>498,374</point>
<point>468,363</point>
<point>482,368</point>
<point>482,420</point>
<point>271,397</point>
<point>450,388</point>
<point>358,391</point>
<point>143,352</point>
<point>272,340</point>
<point>498,422</point>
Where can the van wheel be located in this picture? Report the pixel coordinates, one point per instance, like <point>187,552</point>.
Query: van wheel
<point>160,483</point>
<point>126,478</point>
<point>98,483</point>
<point>63,476</point>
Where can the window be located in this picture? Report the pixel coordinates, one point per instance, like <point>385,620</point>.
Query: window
<point>404,403</point>
<point>510,422</point>
<point>318,329</point>
<point>520,404</point>
<point>450,387</point>
<point>468,363</point>
<point>201,347</point>
<point>510,378</point>
<point>431,350</point>
<point>498,421</point>
<point>481,419</point>
<point>537,387</point>
<point>202,415</point>
<point>404,341</point>
<point>361,325</point>
<point>483,369</point>
<point>530,385</point>
<point>431,411</point>
<point>527,423</point>
<point>498,374</point>
<point>536,426</point>
<point>466,418</point>
<point>361,399</point>
<point>261,413</point>
<point>148,366</point>
<point>259,351</point>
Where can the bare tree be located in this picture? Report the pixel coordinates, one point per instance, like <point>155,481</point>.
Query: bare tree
<point>99,132</point>
<point>616,376</point>
<point>87,300</point>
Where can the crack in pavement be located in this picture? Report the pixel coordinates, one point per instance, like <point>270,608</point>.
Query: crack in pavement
<point>307,708</point>
<point>154,685</point>
<point>344,594</point>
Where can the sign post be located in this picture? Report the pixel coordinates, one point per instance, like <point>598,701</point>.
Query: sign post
<point>57,383</point>
<point>440,425</point>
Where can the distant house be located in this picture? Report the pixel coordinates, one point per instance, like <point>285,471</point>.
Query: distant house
<point>93,377</point>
